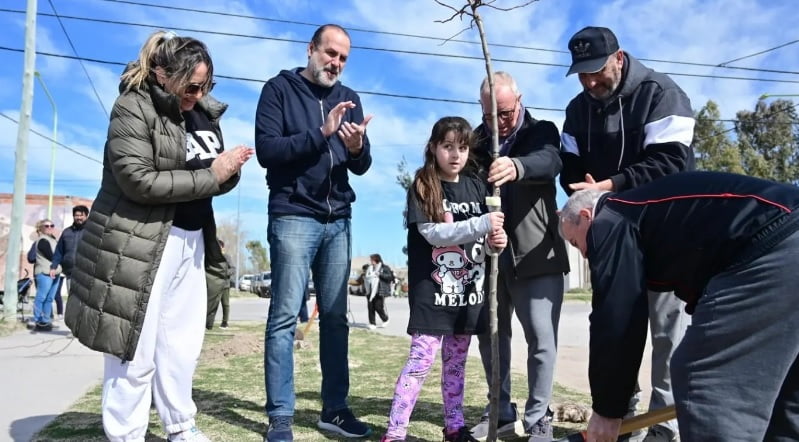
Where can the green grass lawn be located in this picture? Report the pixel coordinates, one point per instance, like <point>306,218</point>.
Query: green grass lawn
<point>583,295</point>
<point>229,391</point>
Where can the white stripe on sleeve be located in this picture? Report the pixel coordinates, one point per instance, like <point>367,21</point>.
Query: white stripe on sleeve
<point>569,143</point>
<point>673,128</point>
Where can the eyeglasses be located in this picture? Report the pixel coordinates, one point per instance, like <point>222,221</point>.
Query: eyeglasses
<point>47,226</point>
<point>194,88</point>
<point>501,115</point>
<point>504,115</point>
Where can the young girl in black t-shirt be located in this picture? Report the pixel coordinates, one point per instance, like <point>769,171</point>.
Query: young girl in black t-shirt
<point>449,229</point>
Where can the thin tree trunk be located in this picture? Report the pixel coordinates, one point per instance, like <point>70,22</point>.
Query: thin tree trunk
<point>494,205</point>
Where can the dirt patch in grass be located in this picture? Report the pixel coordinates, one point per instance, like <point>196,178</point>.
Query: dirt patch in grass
<point>236,343</point>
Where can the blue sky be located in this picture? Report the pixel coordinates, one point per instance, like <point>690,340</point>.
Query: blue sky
<point>696,31</point>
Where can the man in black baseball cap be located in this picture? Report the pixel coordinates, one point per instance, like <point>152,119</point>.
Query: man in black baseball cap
<point>590,49</point>
<point>629,126</point>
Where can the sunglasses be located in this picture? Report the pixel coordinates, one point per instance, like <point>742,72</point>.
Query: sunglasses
<point>194,88</point>
<point>47,226</point>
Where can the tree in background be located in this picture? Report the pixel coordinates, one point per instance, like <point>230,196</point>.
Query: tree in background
<point>713,147</point>
<point>226,231</point>
<point>765,143</point>
<point>258,256</point>
<point>404,178</point>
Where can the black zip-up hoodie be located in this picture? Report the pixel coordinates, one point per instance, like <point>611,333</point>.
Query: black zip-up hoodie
<point>675,233</point>
<point>642,132</point>
<point>306,173</point>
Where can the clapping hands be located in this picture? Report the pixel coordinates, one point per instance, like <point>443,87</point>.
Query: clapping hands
<point>229,162</point>
<point>350,133</point>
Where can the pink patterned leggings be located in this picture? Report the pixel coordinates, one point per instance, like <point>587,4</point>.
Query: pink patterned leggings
<point>454,349</point>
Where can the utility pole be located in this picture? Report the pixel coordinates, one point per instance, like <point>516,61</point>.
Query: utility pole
<point>20,166</point>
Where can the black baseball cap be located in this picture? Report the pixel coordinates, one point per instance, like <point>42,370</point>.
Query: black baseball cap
<point>590,48</point>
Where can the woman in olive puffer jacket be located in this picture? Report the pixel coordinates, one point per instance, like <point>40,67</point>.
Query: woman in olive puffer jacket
<point>138,291</point>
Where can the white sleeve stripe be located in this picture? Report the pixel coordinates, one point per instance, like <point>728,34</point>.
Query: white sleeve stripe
<point>569,144</point>
<point>671,129</point>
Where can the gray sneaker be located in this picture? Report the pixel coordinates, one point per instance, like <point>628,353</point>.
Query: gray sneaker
<point>542,430</point>
<point>505,429</point>
<point>660,433</point>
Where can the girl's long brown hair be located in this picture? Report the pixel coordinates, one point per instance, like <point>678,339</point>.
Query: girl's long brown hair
<point>427,182</point>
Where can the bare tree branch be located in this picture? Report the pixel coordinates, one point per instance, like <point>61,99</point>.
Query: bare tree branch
<point>471,25</point>
<point>458,12</point>
<point>490,4</point>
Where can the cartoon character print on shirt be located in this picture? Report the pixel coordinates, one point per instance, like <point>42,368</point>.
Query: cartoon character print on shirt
<point>455,273</point>
<point>202,145</point>
<point>452,273</point>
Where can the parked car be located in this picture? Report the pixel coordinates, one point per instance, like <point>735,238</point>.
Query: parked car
<point>245,282</point>
<point>265,285</point>
<point>256,282</point>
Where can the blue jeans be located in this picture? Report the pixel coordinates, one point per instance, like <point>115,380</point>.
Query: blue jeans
<point>45,292</point>
<point>297,244</point>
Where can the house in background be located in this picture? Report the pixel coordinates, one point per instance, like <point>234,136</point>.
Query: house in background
<point>35,210</point>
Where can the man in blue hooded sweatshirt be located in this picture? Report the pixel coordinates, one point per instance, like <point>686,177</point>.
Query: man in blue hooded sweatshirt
<point>310,132</point>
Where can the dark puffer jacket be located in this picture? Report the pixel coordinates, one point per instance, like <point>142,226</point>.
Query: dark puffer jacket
<point>143,177</point>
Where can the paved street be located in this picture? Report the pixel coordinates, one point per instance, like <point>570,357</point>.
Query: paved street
<point>44,373</point>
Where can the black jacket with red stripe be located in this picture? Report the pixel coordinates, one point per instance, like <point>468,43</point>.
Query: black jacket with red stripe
<point>673,234</point>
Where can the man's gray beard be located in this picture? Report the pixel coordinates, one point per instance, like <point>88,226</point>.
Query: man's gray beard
<point>322,79</point>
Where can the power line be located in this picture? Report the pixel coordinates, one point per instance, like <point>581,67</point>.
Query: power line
<point>54,141</point>
<point>75,51</point>
<point>758,53</point>
<point>362,92</point>
<point>261,81</point>
<point>424,37</point>
<point>402,51</point>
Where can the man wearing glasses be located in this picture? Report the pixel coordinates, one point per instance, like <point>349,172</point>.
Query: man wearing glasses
<point>531,268</point>
<point>629,126</point>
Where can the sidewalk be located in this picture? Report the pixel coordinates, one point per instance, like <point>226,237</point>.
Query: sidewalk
<point>43,374</point>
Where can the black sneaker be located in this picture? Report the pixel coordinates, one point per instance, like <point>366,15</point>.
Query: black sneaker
<point>462,435</point>
<point>343,422</point>
<point>280,429</point>
<point>541,431</point>
<point>43,326</point>
<point>223,324</point>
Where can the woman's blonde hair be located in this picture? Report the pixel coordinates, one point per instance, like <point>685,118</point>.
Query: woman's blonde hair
<point>41,223</point>
<point>177,56</point>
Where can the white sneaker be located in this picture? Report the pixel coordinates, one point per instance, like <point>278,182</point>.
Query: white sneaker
<point>190,435</point>
<point>384,324</point>
<point>371,326</point>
